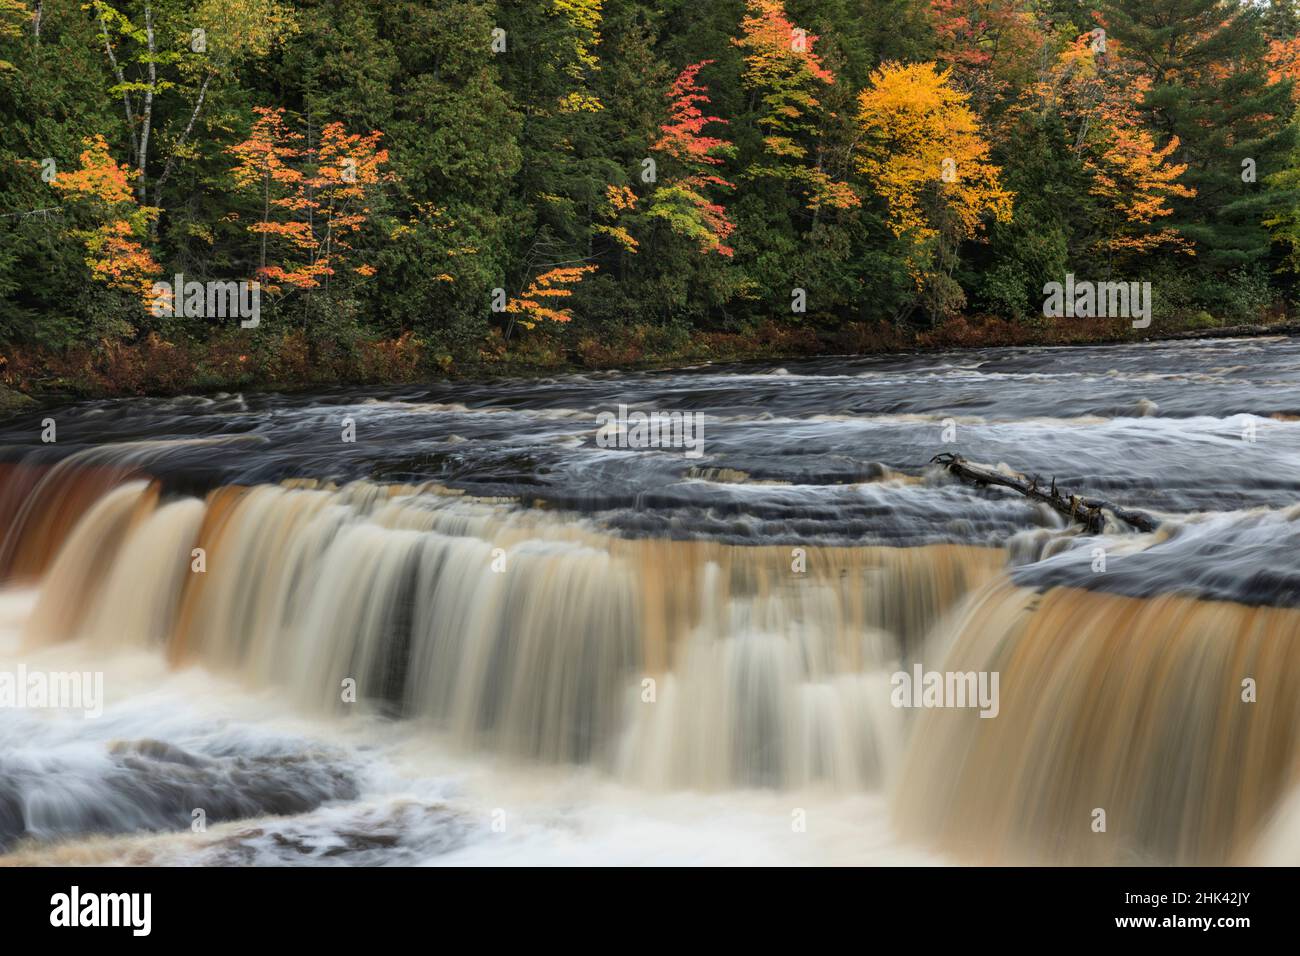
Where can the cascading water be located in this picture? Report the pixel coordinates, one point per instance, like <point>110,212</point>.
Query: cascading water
<point>516,632</point>
<point>535,625</point>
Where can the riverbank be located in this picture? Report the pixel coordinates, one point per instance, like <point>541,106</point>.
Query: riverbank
<point>294,361</point>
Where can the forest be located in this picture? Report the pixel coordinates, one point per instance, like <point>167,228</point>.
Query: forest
<point>427,187</point>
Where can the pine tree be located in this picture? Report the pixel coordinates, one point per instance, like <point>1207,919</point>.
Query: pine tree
<point>1211,91</point>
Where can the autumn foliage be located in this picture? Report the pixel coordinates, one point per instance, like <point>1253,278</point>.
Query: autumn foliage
<point>619,200</point>
<point>444,174</point>
<point>782,67</point>
<point>583,18</point>
<point>1136,179</point>
<point>1283,61</point>
<point>990,45</point>
<point>102,189</point>
<point>683,201</point>
<point>535,303</point>
<point>315,197</point>
<point>923,149</point>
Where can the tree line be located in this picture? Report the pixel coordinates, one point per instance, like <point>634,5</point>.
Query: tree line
<point>431,182</point>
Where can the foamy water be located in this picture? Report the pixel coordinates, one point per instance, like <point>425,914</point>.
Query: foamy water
<point>417,800</point>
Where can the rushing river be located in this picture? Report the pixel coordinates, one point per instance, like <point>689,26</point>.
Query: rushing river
<point>566,652</point>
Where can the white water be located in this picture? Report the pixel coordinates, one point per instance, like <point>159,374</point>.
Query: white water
<point>421,800</point>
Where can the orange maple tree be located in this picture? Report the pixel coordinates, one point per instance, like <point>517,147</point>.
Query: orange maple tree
<point>315,198</point>
<point>531,307</point>
<point>1283,62</point>
<point>1100,96</point>
<point>101,191</point>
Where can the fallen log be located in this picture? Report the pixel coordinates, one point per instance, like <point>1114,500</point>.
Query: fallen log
<point>1090,512</point>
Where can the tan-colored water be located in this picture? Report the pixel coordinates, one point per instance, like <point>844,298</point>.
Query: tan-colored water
<point>1132,706</point>
<point>518,632</point>
<point>700,666</point>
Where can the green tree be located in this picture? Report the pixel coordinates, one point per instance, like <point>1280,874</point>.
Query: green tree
<point>1211,90</point>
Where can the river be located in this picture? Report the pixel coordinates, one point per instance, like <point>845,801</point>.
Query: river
<point>451,624</point>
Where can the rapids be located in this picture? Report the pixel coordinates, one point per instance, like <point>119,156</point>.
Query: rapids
<point>475,635</point>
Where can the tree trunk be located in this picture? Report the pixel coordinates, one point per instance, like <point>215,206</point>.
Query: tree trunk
<point>146,118</point>
<point>126,96</point>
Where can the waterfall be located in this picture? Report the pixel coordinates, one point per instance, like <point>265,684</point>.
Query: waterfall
<point>1136,707</point>
<point>671,664</point>
<point>695,665</point>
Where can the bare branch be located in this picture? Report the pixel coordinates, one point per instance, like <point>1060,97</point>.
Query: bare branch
<point>180,142</point>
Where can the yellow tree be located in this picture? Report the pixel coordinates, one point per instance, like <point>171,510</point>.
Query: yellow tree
<point>922,147</point>
<point>583,18</point>
<point>618,200</point>
<point>14,16</point>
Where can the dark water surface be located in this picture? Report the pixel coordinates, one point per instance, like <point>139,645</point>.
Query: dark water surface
<point>826,451</point>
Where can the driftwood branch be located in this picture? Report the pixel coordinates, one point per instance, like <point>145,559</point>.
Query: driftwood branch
<point>1089,512</point>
